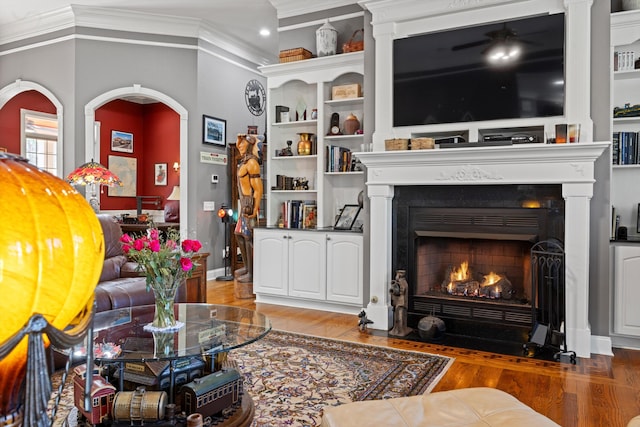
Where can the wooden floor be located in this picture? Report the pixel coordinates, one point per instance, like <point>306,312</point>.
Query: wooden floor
<point>600,391</point>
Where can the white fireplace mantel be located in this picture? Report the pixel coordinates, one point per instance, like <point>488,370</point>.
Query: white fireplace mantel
<point>571,165</point>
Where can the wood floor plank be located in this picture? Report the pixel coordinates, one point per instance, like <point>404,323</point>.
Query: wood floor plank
<point>596,392</point>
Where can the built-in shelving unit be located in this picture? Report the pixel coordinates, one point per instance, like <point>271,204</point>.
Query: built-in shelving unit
<point>306,86</point>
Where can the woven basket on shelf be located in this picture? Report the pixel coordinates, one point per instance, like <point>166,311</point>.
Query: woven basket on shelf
<point>422,143</point>
<point>396,144</point>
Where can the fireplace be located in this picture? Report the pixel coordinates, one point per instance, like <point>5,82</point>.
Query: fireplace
<point>466,250</point>
<point>567,170</point>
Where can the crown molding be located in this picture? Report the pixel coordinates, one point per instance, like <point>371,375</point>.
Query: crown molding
<point>129,21</point>
<point>34,26</point>
<point>289,8</point>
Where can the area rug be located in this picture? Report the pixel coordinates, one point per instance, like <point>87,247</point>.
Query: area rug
<point>291,377</point>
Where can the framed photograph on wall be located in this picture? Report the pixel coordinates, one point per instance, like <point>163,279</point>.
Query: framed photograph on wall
<point>348,216</point>
<point>121,141</point>
<point>214,131</point>
<point>160,176</point>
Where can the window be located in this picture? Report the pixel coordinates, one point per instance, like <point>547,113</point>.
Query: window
<point>40,140</point>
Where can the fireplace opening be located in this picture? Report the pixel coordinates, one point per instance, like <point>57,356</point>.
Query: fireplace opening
<point>473,269</point>
<point>467,252</point>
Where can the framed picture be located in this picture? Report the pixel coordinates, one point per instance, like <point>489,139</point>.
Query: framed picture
<point>309,216</point>
<point>214,131</point>
<point>121,141</point>
<point>125,168</point>
<point>160,176</point>
<point>347,217</point>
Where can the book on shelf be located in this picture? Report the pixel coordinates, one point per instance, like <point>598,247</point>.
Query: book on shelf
<point>297,214</point>
<point>338,159</point>
<point>625,148</point>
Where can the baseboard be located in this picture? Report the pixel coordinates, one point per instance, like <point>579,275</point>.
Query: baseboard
<point>626,342</point>
<point>601,345</point>
<point>212,274</point>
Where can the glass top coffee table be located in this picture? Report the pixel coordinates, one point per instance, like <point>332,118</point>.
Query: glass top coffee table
<point>165,360</point>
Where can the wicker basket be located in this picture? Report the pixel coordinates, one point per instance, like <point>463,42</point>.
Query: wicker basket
<point>422,143</point>
<point>296,54</point>
<point>396,144</point>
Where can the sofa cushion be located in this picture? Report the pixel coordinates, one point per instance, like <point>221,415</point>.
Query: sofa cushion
<point>476,407</point>
<point>112,267</point>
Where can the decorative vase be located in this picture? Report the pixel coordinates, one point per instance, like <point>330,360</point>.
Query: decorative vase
<point>304,145</point>
<point>351,124</point>
<point>326,39</point>
<point>164,292</point>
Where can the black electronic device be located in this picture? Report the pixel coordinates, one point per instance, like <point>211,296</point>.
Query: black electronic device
<point>456,139</point>
<point>446,76</point>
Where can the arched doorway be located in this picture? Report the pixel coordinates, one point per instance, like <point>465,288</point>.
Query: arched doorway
<point>92,135</point>
<point>10,91</point>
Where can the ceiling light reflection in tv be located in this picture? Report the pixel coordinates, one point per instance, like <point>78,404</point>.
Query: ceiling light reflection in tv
<point>447,77</point>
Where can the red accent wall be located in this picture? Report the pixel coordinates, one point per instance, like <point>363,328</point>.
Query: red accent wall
<point>10,116</point>
<point>156,139</point>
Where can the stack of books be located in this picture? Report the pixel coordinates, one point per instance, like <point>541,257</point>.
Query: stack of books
<point>625,148</point>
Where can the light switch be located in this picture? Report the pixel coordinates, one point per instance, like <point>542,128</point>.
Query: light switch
<point>209,206</point>
<point>214,179</point>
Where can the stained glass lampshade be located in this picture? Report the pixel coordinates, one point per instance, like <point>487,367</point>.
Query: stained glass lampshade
<point>93,174</point>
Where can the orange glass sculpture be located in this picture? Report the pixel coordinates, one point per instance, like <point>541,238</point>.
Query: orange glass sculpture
<point>51,252</point>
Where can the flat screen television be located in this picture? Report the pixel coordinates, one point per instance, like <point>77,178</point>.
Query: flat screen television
<point>447,77</point>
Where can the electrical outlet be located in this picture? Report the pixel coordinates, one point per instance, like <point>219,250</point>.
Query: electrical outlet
<point>209,206</point>
<point>214,179</point>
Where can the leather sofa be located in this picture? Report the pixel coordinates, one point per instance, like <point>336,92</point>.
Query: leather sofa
<point>121,283</point>
<point>480,406</point>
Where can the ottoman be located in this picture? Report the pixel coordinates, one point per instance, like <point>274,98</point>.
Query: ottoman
<point>481,407</point>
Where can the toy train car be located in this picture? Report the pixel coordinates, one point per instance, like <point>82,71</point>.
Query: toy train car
<point>212,394</point>
<point>101,396</point>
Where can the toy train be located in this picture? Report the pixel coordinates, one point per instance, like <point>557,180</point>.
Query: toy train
<point>214,396</point>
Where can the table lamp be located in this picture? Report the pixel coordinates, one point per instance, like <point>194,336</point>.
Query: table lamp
<point>93,174</point>
<point>50,263</point>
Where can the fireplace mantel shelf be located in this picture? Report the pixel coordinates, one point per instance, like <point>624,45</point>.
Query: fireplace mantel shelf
<point>520,153</point>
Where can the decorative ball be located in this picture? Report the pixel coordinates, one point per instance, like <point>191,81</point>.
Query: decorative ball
<point>51,257</point>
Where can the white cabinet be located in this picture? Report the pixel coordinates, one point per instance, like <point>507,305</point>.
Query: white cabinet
<point>307,260</point>
<point>323,267</point>
<point>344,278</point>
<point>302,87</point>
<point>626,316</point>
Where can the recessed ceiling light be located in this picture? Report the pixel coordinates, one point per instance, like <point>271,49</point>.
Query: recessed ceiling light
<point>265,32</point>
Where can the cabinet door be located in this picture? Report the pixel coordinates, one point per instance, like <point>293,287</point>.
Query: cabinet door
<point>307,265</point>
<point>344,268</point>
<point>627,290</point>
<point>270,254</point>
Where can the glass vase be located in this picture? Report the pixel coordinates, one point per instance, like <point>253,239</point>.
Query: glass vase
<point>165,295</point>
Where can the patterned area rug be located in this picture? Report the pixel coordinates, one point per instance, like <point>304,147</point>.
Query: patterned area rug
<point>291,377</point>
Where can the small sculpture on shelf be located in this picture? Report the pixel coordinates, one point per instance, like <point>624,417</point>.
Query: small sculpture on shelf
<point>286,152</point>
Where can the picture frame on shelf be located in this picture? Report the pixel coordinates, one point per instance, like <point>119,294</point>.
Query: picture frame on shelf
<point>121,141</point>
<point>309,216</point>
<point>347,217</point>
<point>214,131</point>
<point>160,174</point>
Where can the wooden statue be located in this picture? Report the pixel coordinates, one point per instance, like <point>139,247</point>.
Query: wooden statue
<point>250,193</point>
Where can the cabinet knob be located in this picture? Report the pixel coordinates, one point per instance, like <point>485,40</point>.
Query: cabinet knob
<point>328,238</point>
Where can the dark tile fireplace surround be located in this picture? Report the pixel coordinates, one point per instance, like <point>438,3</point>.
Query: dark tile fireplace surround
<point>490,227</point>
